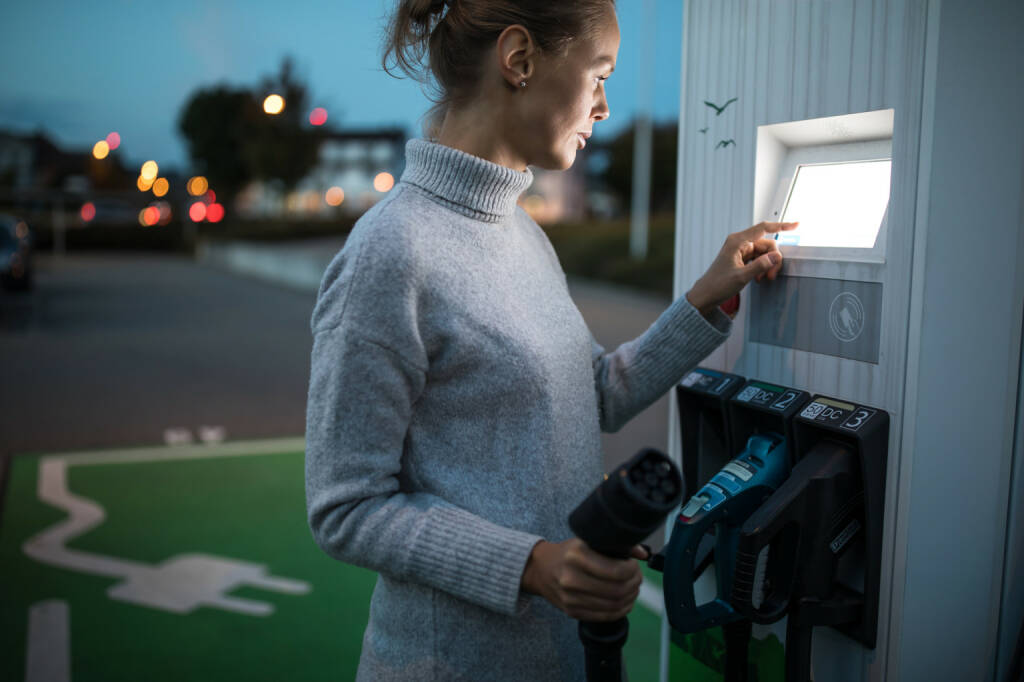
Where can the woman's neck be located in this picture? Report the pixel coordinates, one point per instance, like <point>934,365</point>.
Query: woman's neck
<point>478,132</point>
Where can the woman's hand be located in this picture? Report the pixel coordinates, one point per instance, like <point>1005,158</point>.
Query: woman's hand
<point>584,584</point>
<point>745,256</point>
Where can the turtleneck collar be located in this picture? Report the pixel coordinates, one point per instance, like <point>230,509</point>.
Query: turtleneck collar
<point>467,184</point>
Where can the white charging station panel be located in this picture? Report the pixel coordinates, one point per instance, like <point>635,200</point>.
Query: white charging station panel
<point>797,109</point>
<point>833,176</point>
<point>826,128</point>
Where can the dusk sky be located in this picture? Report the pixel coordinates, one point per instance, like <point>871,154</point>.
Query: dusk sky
<point>79,70</point>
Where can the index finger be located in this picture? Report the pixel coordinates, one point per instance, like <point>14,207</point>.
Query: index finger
<point>761,229</point>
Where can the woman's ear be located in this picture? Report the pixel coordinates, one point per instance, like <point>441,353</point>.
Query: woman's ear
<point>516,55</point>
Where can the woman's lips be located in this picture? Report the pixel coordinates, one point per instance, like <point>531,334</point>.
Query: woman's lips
<point>582,137</point>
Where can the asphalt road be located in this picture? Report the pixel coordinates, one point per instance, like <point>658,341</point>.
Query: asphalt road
<point>115,349</point>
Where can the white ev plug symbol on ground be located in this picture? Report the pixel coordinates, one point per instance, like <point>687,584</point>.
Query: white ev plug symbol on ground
<point>180,585</point>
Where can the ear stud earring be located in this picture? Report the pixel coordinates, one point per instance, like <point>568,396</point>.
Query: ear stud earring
<point>522,84</point>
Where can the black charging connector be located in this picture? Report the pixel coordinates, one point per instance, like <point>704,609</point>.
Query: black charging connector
<point>621,512</point>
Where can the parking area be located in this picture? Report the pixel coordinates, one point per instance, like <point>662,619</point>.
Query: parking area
<point>185,562</point>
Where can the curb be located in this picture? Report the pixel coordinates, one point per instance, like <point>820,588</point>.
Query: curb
<point>299,265</point>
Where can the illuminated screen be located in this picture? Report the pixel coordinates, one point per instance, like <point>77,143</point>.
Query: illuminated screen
<point>837,204</point>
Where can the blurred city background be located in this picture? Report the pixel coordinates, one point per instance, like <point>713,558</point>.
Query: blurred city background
<point>173,180</point>
<point>247,138</point>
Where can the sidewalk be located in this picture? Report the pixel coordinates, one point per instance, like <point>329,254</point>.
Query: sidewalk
<point>299,264</point>
<point>614,315</point>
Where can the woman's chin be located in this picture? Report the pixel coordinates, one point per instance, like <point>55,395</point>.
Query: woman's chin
<point>559,161</point>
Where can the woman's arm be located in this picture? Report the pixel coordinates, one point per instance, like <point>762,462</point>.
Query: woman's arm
<point>360,402</point>
<point>640,371</point>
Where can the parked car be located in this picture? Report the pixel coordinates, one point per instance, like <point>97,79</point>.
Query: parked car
<point>15,254</point>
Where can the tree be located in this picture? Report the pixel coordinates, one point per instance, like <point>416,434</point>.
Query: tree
<point>233,141</point>
<point>283,147</point>
<point>619,174</point>
<point>216,123</point>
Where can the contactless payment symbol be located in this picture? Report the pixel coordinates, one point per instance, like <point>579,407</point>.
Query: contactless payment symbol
<point>846,316</point>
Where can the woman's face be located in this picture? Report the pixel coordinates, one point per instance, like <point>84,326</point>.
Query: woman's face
<point>567,97</point>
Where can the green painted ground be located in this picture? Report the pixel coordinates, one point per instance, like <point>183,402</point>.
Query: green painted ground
<point>245,508</point>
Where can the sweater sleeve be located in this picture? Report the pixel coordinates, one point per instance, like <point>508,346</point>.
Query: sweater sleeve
<point>366,374</point>
<point>640,371</point>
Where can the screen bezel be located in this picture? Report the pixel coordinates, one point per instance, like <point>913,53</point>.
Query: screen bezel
<point>876,150</point>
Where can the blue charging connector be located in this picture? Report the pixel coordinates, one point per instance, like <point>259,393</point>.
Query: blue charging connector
<point>725,502</point>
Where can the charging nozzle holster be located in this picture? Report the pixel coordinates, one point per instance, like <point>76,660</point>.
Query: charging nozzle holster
<point>806,524</point>
<point>826,517</point>
<point>809,546</point>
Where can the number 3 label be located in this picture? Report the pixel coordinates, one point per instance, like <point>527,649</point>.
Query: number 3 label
<point>857,419</point>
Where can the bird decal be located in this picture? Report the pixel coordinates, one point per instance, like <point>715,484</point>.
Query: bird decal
<point>720,109</point>
<point>725,143</point>
<point>704,130</point>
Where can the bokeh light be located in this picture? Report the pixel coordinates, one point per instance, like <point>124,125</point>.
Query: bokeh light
<point>384,182</point>
<point>144,184</point>
<point>197,185</point>
<point>150,170</point>
<point>197,211</point>
<point>214,213</point>
<point>101,149</point>
<point>165,212</point>
<point>88,211</point>
<point>21,230</point>
<point>318,116</point>
<point>150,216</point>
<point>273,104</point>
<point>113,141</point>
<point>210,196</point>
<point>334,197</point>
<point>160,186</point>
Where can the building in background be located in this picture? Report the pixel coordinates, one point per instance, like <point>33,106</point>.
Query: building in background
<point>32,163</point>
<point>355,170</point>
<point>39,180</point>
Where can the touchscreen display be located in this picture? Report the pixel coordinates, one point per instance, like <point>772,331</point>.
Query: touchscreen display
<point>837,204</point>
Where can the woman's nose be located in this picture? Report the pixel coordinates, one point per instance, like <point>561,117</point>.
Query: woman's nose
<point>601,111</point>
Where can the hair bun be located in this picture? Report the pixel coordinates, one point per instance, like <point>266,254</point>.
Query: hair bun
<point>425,10</point>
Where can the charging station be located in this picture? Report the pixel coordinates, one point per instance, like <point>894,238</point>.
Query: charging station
<point>891,131</point>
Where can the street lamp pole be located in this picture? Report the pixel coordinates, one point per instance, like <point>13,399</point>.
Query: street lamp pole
<point>643,142</point>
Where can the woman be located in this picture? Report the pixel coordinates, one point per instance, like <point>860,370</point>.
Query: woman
<point>456,396</point>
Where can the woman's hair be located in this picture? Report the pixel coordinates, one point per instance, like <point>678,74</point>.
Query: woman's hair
<point>441,42</point>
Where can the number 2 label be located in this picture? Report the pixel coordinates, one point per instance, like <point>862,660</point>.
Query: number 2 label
<point>785,401</point>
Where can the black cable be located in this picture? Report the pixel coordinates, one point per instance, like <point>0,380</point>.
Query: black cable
<point>602,649</point>
<point>1017,663</point>
<point>798,649</point>
<point>737,645</point>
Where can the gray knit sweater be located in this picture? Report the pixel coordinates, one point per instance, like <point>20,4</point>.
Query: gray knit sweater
<point>456,400</point>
